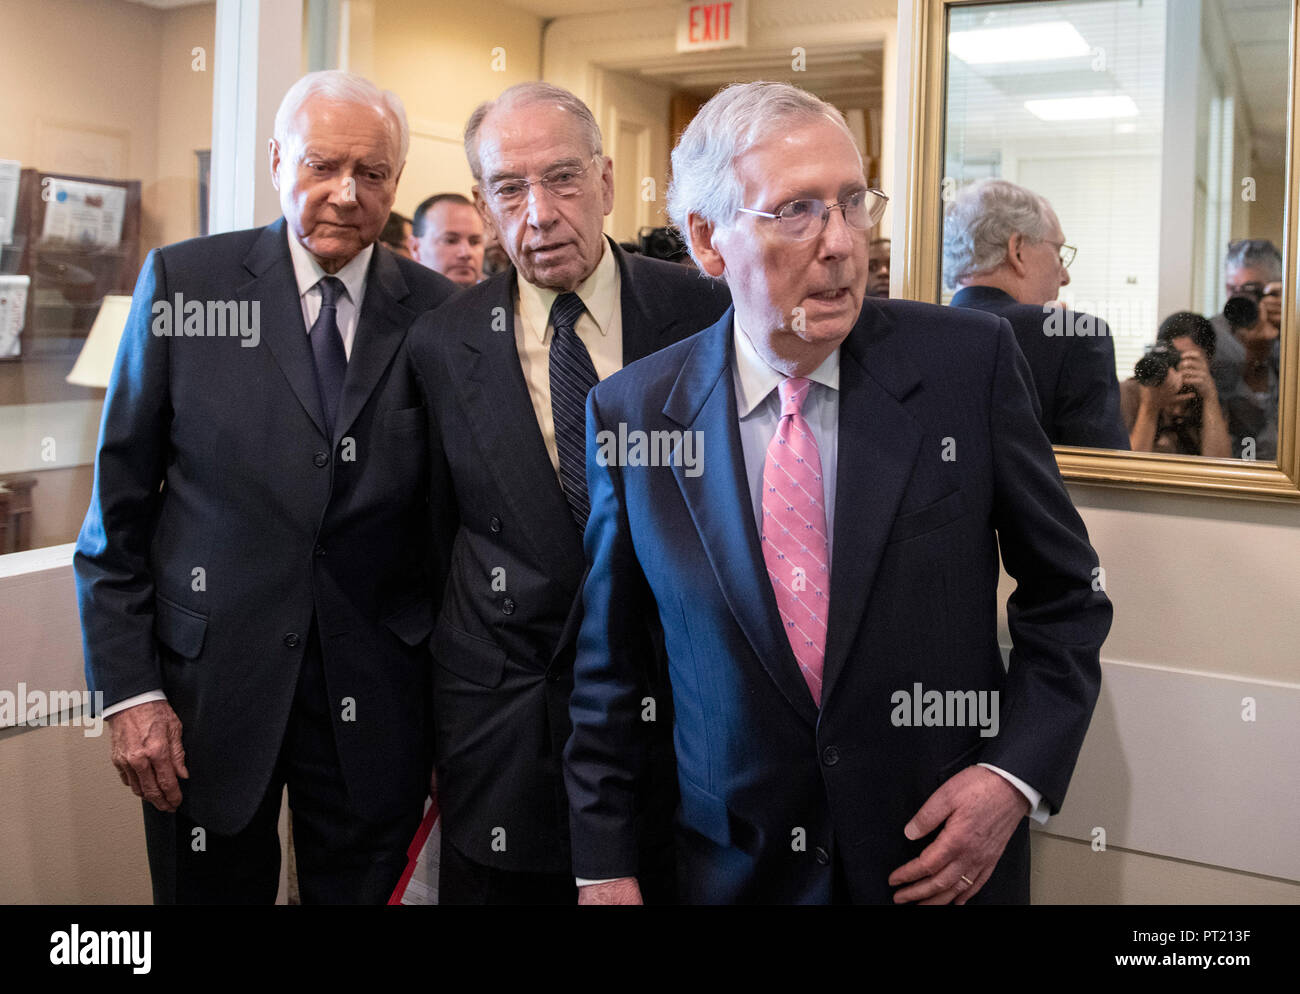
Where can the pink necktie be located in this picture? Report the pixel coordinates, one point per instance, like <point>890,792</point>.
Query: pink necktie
<point>794,533</point>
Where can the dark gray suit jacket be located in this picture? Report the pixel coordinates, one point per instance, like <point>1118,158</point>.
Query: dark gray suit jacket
<point>213,457</point>
<point>503,644</point>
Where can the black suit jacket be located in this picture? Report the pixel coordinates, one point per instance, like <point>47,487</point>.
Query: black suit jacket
<point>774,790</point>
<point>1074,376</point>
<point>503,644</point>
<point>224,520</point>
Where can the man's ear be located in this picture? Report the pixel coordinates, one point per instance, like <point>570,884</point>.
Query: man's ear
<point>607,183</point>
<point>706,253</point>
<point>1015,245</point>
<point>273,150</point>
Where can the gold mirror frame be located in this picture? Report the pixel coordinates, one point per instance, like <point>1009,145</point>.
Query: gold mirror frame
<point>922,216</point>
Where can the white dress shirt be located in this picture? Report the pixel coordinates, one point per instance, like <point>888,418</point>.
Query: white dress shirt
<point>307,273</point>
<point>758,405</point>
<point>600,327</point>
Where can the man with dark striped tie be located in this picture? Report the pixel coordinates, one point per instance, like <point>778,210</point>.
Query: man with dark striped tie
<point>505,372</point>
<point>825,574</point>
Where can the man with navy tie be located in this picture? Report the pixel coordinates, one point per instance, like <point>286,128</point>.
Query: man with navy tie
<point>505,370</point>
<point>823,576</point>
<point>255,571</point>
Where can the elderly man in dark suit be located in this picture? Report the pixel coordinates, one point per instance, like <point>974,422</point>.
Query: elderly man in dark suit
<point>825,581</point>
<point>1004,251</point>
<point>255,571</point>
<point>505,373</point>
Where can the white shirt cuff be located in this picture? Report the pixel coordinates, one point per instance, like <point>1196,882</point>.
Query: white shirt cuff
<point>130,702</point>
<point>583,882</point>
<point>1038,811</point>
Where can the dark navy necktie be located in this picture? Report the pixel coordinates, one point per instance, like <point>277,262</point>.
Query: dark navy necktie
<point>572,377</point>
<point>327,349</point>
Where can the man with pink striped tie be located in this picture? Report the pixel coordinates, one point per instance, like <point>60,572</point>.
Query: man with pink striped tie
<point>809,497</point>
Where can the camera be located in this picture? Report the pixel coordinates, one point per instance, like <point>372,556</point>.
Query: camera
<point>1156,363</point>
<point>661,243</point>
<point>1241,311</point>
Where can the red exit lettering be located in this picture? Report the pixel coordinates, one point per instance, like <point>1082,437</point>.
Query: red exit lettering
<point>710,22</point>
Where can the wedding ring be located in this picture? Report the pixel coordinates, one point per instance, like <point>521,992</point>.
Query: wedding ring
<point>969,881</point>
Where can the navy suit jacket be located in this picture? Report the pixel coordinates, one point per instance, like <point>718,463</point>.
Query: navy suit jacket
<point>213,457</point>
<point>1073,375</point>
<point>941,458</point>
<point>504,639</point>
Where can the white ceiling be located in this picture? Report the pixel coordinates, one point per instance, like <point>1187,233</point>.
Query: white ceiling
<point>987,101</point>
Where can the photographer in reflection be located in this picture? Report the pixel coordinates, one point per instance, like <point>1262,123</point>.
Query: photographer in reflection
<point>1245,368</point>
<point>1171,404</point>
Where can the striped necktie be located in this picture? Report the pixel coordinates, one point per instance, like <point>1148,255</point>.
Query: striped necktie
<point>572,377</point>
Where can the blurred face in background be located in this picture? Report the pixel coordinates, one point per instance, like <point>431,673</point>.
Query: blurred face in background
<point>452,242</point>
<point>878,268</point>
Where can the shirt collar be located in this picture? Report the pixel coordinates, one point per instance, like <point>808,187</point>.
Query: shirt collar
<point>755,379</point>
<point>308,272</point>
<point>598,292</point>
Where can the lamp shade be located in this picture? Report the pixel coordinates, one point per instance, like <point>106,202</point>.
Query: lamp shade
<point>95,362</point>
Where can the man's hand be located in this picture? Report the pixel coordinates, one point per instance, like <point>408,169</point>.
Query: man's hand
<point>148,754</point>
<point>979,810</point>
<point>1195,371</point>
<point>624,890</point>
<point>1164,394</point>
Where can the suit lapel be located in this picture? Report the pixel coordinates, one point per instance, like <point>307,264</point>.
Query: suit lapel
<point>647,324</point>
<point>499,411</point>
<point>280,309</point>
<point>381,328</point>
<point>878,444</point>
<point>704,399</point>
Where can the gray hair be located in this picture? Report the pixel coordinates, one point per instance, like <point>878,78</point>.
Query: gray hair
<point>1255,253</point>
<point>529,93</point>
<point>979,222</point>
<point>343,87</point>
<point>735,119</point>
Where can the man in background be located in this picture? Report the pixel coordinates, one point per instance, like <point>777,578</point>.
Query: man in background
<point>1247,346</point>
<point>1004,249</point>
<point>448,238</point>
<point>878,267</point>
<point>505,374</point>
<point>255,573</point>
<point>397,234</point>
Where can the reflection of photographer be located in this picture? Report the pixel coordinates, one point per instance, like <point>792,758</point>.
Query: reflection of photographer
<point>1246,365</point>
<point>1171,404</point>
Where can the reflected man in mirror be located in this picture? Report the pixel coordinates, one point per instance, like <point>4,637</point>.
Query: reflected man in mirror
<point>1171,403</point>
<point>1004,248</point>
<point>1247,338</point>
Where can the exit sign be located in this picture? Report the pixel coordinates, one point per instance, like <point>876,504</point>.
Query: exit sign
<point>702,27</point>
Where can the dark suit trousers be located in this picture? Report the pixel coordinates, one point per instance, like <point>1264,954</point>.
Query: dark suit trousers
<point>341,859</point>
<point>463,881</point>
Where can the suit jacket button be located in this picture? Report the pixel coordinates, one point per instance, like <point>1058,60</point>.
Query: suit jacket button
<point>508,606</point>
<point>321,459</point>
<point>494,525</point>
<point>830,755</point>
<point>822,855</point>
<point>291,640</point>
<point>319,550</point>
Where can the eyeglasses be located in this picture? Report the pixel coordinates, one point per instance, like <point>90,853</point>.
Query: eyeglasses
<point>1065,252</point>
<point>803,219</point>
<point>1255,289</point>
<point>560,181</point>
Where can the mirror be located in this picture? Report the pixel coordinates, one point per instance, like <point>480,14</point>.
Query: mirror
<point>1145,144</point>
